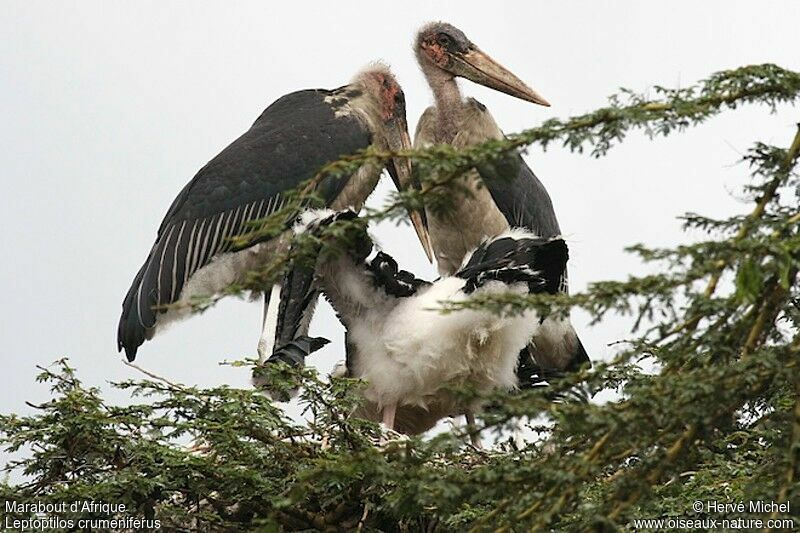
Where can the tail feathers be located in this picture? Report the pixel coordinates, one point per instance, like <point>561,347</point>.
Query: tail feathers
<point>298,292</point>
<point>151,288</point>
<point>579,359</point>
<point>132,330</point>
<point>530,376</point>
<point>294,352</point>
<point>299,289</point>
<point>553,353</point>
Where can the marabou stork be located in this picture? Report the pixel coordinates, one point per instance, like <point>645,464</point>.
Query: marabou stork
<point>409,353</point>
<point>291,140</point>
<point>512,196</point>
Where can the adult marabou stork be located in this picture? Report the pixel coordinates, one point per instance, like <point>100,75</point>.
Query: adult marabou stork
<point>512,196</point>
<point>288,144</point>
<point>409,353</point>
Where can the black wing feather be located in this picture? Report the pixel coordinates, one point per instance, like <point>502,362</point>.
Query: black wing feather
<point>386,275</point>
<point>520,196</point>
<point>536,261</point>
<point>291,140</point>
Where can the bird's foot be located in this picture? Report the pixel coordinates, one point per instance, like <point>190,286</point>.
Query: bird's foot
<point>475,440</point>
<point>390,438</point>
<point>388,434</point>
<point>474,432</point>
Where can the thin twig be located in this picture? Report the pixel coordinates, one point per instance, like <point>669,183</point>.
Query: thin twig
<point>155,376</point>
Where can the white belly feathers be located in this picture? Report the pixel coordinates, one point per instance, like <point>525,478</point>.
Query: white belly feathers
<point>420,351</point>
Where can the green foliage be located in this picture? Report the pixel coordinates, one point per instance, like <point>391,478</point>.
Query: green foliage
<point>716,416</point>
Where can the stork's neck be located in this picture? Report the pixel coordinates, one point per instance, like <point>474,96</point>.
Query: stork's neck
<point>449,102</point>
<point>351,290</point>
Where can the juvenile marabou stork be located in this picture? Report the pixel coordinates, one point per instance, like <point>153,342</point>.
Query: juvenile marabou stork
<point>512,196</point>
<point>288,144</point>
<point>409,353</point>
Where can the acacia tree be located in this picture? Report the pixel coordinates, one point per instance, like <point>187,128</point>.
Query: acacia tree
<point>718,418</point>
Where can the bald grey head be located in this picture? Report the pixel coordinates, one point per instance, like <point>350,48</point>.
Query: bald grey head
<point>443,49</point>
<point>381,95</point>
<point>383,105</point>
<point>446,36</point>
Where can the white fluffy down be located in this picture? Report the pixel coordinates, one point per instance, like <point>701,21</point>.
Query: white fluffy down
<point>412,353</point>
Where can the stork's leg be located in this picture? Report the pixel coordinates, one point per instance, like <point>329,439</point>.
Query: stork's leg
<point>388,416</point>
<point>474,436</point>
<point>518,435</point>
<point>266,344</point>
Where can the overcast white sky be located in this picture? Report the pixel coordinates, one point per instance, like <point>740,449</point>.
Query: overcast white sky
<point>108,108</point>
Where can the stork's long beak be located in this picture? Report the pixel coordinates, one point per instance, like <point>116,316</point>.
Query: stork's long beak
<point>400,170</point>
<point>476,66</point>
